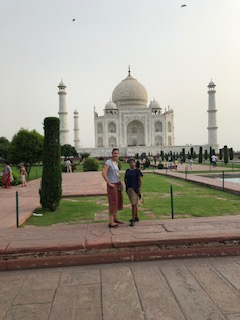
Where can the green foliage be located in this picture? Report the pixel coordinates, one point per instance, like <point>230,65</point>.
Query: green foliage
<point>4,146</point>
<point>90,164</point>
<point>231,153</point>
<point>119,164</point>
<point>200,156</point>
<point>225,154</point>
<point>206,155</point>
<point>147,164</point>
<point>27,147</point>
<point>84,155</point>
<point>67,151</point>
<point>16,178</point>
<point>51,185</point>
<point>183,155</point>
<point>220,154</point>
<point>160,166</point>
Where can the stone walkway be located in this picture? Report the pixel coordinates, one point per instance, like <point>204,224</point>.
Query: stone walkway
<point>183,289</point>
<point>66,245</point>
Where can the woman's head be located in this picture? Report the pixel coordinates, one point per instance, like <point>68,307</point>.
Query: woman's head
<point>115,153</point>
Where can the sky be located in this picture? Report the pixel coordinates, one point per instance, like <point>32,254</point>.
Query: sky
<point>173,51</point>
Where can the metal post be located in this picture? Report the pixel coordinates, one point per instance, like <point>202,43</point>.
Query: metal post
<point>172,209</point>
<point>17,211</point>
<point>223,180</point>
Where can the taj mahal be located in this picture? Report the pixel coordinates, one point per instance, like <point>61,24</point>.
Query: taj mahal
<point>132,125</point>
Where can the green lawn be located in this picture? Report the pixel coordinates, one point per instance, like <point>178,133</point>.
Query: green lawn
<point>190,200</point>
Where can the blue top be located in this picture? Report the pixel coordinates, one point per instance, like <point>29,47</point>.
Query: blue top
<point>113,171</point>
<point>132,179</point>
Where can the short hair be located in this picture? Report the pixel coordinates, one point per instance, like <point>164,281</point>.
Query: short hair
<point>131,159</point>
<point>115,149</point>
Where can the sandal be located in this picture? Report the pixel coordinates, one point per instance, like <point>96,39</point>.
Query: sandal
<point>112,225</point>
<point>118,221</point>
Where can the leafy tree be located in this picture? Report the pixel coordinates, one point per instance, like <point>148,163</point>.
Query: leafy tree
<point>4,146</point>
<point>27,147</point>
<point>231,153</point>
<point>67,151</point>
<point>84,155</point>
<point>51,185</point>
<point>225,154</point>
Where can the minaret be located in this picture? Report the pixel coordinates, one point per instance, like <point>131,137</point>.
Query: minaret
<point>63,114</point>
<point>76,131</point>
<point>212,116</point>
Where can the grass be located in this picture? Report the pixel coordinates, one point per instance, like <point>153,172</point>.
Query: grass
<point>190,200</point>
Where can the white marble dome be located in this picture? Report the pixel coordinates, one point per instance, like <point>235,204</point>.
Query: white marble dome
<point>110,105</point>
<point>130,92</point>
<point>154,105</point>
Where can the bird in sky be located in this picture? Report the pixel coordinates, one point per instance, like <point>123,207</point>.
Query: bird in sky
<point>184,5</point>
<point>73,19</point>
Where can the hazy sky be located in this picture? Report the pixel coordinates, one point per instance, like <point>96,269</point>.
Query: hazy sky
<point>173,51</point>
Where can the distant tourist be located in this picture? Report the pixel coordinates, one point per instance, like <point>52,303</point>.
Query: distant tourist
<point>190,163</point>
<point>214,160</point>
<point>23,175</point>
<point>133,182</point>
<point>7,175</point>
<point>111,175</point>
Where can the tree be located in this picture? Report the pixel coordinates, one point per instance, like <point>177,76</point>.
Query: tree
<point>231,153</point>
<point>200,156</point>
<point>220,154</point>
<point>225,154</point>
<point>51,184</point>
<point>206,155</point>
<point>27,147</point>
<point>4,146</point>
<point>68,151</point>
<point>183,155</point>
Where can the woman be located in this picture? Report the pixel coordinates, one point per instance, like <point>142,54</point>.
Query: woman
<point>7,171</point>
<point>133,182</point>
<point>23,175</point>
<point>110,174</point>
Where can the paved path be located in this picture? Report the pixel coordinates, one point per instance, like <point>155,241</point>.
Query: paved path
<point>193,289</point>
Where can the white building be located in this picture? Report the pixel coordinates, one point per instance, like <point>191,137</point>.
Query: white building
<point>129,124</point>
<point>133,126</point>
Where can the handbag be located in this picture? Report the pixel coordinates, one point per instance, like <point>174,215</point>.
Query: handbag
<point>120,186</point>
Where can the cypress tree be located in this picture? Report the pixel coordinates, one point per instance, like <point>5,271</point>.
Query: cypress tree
<point>200,155</point>
<point>205,155</point>
<point>220,154</point>
<point>231,153</point>
<point>225,154</point>
<point>51,184</point>
<point>183,155</point>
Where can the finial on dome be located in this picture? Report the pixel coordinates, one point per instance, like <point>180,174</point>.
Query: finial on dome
<point>129,71</point>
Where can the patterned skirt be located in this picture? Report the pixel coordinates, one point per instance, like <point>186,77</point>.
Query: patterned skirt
<point>115,199</point>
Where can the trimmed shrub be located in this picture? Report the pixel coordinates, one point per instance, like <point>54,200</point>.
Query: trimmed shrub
<point>90,164</point>
<point>160,166</point>
<point>51,184</point>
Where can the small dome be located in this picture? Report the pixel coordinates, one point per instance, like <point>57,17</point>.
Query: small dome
<point>154,105</point>
<point>62,84</point>
<point>211,84</point>
<point>110,105</point>
<point>129,91</point>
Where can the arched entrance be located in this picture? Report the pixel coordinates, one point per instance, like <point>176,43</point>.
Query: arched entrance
<point>135,134</point>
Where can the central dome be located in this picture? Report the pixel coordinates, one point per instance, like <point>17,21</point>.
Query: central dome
<point>130,92</point>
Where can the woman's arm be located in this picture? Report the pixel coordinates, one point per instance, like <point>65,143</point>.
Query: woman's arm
<point>105,177</point>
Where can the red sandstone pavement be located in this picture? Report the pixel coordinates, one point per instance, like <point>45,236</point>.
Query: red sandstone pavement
<point>62,245</point>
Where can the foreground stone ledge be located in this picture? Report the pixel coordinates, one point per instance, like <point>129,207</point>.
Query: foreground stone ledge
<point>73,257</point>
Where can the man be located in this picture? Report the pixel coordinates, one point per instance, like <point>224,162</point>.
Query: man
<point>133,182</point>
